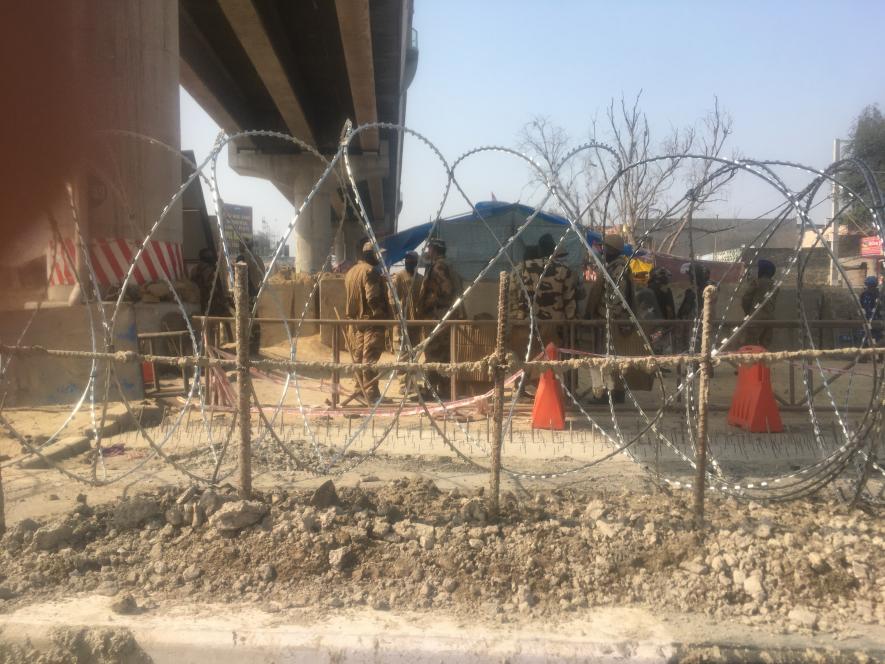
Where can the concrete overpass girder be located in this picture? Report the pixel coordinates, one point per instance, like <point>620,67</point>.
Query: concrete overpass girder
<point>315,234</point>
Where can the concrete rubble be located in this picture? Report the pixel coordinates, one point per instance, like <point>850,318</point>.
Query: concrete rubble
<point>407,546</point>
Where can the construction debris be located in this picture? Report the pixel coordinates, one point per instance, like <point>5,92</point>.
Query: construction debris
<point>406,545</point>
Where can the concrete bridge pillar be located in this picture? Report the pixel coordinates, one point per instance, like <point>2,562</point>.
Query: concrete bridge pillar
<point>126,54</point>
<point>314,235</point>
<point>318,231</point>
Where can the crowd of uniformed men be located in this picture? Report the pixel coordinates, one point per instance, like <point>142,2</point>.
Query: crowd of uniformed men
<point>543,288</point>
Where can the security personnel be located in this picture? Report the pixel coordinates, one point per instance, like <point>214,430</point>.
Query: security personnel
<point>406,285</point>
<point>439,290</point>
<point>205,274</point>
<point>655,302</point>
<point>366,299</point>
<point>751,301</point>
<point>546,287</point>
<point>624,337</point>
<point>692,304</point>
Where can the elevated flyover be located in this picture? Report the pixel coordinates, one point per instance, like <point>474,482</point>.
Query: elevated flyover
<point>304,68</point>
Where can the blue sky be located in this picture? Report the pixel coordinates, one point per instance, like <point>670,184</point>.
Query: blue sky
<point>793,75</point>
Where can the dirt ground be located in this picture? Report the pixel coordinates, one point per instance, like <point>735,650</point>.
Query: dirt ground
<point>408,546</point>
<point>406,529</point>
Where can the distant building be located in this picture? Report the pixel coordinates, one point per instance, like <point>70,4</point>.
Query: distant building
<point>717,238</point>
<point>237,225</point>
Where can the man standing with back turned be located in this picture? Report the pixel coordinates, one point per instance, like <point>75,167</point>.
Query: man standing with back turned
<point>406,285</point>
<point>365,295</point>
<point>753,303</point>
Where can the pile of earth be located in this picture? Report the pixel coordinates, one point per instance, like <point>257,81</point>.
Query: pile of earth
<point>406,545</point>
<point>78,646</point>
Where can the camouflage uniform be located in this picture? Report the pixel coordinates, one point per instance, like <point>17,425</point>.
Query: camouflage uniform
<point>439,290</point>
<point>691,307</point>
<point>551,294</point>
<point>366,299</point>
<point>625,338</point>
<point>751,298</point>
<point>203,275</point>
<point>655,302</point>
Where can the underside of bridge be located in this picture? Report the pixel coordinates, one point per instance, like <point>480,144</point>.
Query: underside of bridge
<point>304,68</point>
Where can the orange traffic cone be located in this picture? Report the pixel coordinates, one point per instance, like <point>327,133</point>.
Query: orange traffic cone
<point>753,406</point>
<point>548,411</point>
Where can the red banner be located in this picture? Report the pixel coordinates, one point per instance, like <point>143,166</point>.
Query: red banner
<point>871,246</point>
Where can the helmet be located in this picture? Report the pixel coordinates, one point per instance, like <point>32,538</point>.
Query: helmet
<point>870,281</point>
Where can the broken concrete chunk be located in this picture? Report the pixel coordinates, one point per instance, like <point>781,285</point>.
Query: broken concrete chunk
<point>191,573</point>
<point>52,536</point>
<point>342,558</point>
<point>803,617</point>
<point>753,586</point>
<point>325,496</point>
<point>133,512</point>
<point>125,605</point>
<point>210,502</point>
<point>238,515</point>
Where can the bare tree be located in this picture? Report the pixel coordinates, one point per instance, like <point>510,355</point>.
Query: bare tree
<point>643,188</point>
<point>643,185</point>
<point>548,144</point>
<point>718,126</point>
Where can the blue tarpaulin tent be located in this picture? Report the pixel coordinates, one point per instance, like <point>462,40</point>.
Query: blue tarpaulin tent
<point>472,243</point>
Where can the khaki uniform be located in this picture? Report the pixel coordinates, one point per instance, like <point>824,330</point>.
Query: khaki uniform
<point>551,295</point>
<point>625,338</point>
<point>751,298</point>
<point>366,299</point>
<point>407,287</point>
<point>439,290</point>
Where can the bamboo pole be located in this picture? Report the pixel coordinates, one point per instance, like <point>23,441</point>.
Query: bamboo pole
<point>241,302</point>
<point>498,405</point>
<point>703,395</point>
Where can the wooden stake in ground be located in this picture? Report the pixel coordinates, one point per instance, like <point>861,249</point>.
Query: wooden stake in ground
<point>498,405</point>
<point>241,302</point>
<point>703,395</point>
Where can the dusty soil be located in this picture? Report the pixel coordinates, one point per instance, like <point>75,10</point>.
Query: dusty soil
<point>408,546</point>
<point>78,646</point>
